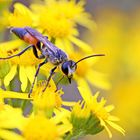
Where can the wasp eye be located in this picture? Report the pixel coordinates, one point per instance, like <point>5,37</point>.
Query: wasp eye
<point>68,67</point>
<point>65,68</point>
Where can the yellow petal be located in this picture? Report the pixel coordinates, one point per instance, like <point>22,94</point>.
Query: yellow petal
<point>116,126</point>
<point>15,95</point>
<point>21,17</point>
<point>30,72</point>
<point>113,118</point>
<point>10,135</point>
<point>84,89</point>
<point>107,129</point>
<point>109,108</point>
<point>12,117</point>
<point>68,103</point>
<point>9,45</point>
<point>60,116</point>
<point>82,45</point>
<point>10,75</point>
<point>61,112</point>
<point>23,78</point>
<point>60,44</point>
<point>85,21</point>
<point>98,79</point>
<point>68,46</point>
<point>65,128</point>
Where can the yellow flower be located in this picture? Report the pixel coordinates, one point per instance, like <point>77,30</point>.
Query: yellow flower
<point>84,122</point>
<point>65,13</point>
<point>50,98</point>
<point>58,19</point>
<point>80,112</point>
<point>21,16</point>
<point>26,63</point>
<point>10,118</point>
<point>31,127</point>
<point>10,114</point>
<point>45,102</point>
<point>41,100</point>
<point>99,109</point>
<point>40,127</point>
<point>6,47</point>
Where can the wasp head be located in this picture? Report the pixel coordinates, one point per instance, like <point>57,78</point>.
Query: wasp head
<point>68,68</point>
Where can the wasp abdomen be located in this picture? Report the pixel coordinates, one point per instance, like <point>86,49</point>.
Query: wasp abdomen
<point>24,35</point>
<point>20,32</point>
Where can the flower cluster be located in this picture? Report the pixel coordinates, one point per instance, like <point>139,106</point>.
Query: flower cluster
<point>46,115</point>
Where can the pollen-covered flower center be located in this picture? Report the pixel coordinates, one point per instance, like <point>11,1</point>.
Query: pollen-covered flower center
<point>40,128</point>
<point>49,99</point>
<point>58,19</point>
<point>55,25</point>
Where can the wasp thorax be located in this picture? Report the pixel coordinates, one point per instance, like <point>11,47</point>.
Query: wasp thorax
<point>68,68</point>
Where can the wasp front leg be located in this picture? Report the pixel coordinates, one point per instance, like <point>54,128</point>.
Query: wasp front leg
<point>58,83</point>
<point>49,78</point>
<point>20,53</point>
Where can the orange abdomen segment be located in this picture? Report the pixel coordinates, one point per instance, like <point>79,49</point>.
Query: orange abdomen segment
<point>30,39</point>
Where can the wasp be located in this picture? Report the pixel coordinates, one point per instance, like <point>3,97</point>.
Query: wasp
<point>48,51</point>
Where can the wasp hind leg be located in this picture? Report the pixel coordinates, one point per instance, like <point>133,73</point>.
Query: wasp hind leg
<point>20,53</point>
<point>35,51</point>
<point>37,71</point>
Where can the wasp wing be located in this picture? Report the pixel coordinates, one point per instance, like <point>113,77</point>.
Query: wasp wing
<point>54,53</point>
<point>42,39</point>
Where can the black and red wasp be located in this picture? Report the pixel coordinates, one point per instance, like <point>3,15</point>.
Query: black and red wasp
<point>49,52</point>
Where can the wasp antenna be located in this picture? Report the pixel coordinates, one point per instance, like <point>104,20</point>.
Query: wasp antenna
<point>94,55</point>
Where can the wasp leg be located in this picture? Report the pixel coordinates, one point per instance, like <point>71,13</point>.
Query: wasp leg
<point>36,54</point>
<point>37,71</point>
<point>20,53</point>
<point>58,83</point>
<point>49,78</point>
<point>38,45</point>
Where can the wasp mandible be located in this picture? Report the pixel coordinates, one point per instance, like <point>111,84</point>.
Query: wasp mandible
<point>49,52</point>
